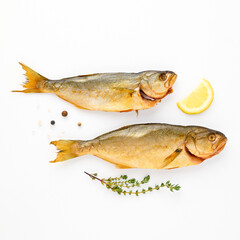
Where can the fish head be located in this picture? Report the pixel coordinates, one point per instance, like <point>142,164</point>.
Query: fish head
<point>204,143</point>
<point>155,85</point>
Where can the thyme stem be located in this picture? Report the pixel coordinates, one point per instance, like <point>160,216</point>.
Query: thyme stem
<point>92,176</point>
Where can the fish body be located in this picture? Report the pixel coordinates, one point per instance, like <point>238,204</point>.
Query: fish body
<point>106,91</point>
<point>155,146</point>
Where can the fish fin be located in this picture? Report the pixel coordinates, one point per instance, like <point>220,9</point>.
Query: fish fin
<point>88,75</point>
<point>129,110</point>
<point>172,168</point>
<point>34,81</point>
<point>121,166</point>
<point>124,127</point>
<point>171,157</point>
<point>126,90</point>
<point>68,149</point>
<point>80,107</point>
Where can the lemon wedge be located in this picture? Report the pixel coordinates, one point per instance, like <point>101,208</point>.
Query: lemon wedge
<point>198,100</point>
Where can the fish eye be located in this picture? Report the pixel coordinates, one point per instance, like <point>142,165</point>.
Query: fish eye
<point>163,76</point>
<point>212,137</point>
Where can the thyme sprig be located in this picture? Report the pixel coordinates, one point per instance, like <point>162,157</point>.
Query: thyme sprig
<point>118,184</point>
<point>123,181</point>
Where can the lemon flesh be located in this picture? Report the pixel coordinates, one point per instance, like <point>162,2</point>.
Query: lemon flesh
<point>198,100</point>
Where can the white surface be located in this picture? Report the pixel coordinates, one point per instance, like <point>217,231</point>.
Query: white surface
<point>39,200</point>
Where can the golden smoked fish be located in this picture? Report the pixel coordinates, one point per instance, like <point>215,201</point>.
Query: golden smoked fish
<point>148,146</point>
<point>116,92</point>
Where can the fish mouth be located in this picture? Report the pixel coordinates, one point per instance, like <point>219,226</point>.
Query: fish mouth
<point>221,145</point>
<point>171,81</point>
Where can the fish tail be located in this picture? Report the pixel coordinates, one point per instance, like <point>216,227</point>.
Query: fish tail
<point>68,149</point>
<point>34,83</point>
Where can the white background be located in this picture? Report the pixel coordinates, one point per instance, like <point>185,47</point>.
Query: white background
<point>39,200</point>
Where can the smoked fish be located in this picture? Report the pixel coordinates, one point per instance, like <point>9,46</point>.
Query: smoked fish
<point>113,92</point>
<point>153,145</point>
